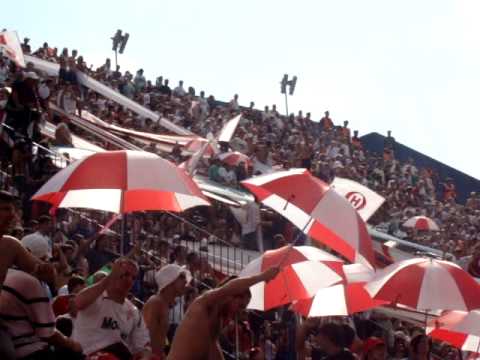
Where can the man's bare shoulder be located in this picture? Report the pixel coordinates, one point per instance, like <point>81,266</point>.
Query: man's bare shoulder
<point>156,302</point>
<point>7,244</point>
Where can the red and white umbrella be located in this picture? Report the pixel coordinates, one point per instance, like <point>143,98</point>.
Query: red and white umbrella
<point>197,144</point>
<point>421,223</point>
<point>122,182</point>
<point>315,208</point>
<point>303,271</point>
<point>337,300</point>
<point>426,284</point>
<point>233,158</point>
<point>459,328</point>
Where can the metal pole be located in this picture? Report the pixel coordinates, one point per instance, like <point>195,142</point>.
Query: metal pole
<point>286,102</point>
<point>116,60</point>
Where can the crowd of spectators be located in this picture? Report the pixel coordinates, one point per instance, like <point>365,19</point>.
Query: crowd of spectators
<point>94,288</point>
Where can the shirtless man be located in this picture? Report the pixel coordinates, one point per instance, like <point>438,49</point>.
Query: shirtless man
<point>171,280</point>
<point>197,336</point>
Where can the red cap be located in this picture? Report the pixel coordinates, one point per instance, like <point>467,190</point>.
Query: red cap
<point>371,343</point>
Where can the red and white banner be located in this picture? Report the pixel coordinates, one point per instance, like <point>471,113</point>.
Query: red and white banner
<point>364,200</point>
<point>11,47</point>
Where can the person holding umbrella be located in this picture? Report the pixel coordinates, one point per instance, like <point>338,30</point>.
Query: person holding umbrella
<point>207,314</point>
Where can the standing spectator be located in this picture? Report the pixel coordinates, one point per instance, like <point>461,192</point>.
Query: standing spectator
<point>326,124</point>
<point>234,103</point>
<point>208,312</point>
<point>23,104</point>
<point>389,142</point>
<point>107,321</point>
<point>179,90</point>
<point>165,89</point>
<point>171,281</point>
<point>139,80</point>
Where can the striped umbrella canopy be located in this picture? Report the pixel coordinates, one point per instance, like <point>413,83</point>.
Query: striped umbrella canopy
<point>426,284</point>
<point>459,328</point>
<point>303,271</point>
<point>122,182</point>
<point>421,223</point>
<point>338,300</point>
<point>317,209</point>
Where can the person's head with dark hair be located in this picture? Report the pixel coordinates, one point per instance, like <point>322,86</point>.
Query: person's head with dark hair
<point>75,284</point>
<point>7,211</point>
<point>65,326</point>
<point>45,224</point>
<point>420,347</point>
<point>332,339</point>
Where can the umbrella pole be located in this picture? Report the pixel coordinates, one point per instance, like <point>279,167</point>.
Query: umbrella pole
<point>295,241</point>
<point>123,239</point>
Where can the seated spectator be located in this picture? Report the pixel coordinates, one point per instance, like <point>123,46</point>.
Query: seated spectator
<point>63,136</point>
<point>171,281</point>
<point>99,255</point>
<point>40,239</point>
<point>374,349</point>
<point>420,348</point>
<point>31,324</point>
<point>107,321</point>
<point>331,339</point>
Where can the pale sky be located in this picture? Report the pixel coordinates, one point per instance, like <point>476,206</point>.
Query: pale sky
<point>412,67</point>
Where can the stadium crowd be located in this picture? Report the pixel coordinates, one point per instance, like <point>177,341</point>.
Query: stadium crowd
<point>66,288</point>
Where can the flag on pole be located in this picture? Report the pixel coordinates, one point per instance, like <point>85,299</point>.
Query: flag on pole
<point>11,47</point>
<point>364,200</point>
<point>228,129</point>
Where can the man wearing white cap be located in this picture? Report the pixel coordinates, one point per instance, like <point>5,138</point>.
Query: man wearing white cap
<point>171,281</point>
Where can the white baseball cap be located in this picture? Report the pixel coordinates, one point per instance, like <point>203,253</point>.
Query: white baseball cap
<point>38,246</point>
<point>169,273</point>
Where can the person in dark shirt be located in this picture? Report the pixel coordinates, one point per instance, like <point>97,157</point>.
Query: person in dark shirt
<point>99,256</point>
<point>23,103</point>
<point>165,89</point>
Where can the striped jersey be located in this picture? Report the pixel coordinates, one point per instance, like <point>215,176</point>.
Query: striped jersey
<point>25,312</point>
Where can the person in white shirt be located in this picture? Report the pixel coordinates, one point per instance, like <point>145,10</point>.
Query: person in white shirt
<point>40,239</point>
<point>107,321</point>
<point>234,103</point>
<point>179,90</point>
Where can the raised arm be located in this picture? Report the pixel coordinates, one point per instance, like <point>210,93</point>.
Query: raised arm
<point>89,295</point>
<point>239,285</point>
